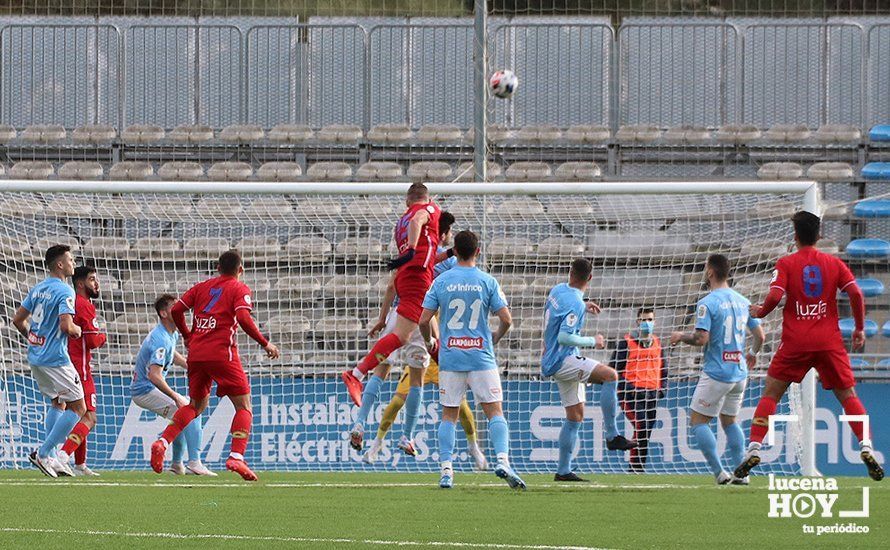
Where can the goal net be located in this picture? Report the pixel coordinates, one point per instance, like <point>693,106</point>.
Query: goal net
<point>315,259</point>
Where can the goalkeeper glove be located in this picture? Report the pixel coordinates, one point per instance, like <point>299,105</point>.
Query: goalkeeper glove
<point>396,263</point>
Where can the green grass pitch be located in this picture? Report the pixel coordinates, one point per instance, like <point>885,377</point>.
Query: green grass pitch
<point>357,510</point>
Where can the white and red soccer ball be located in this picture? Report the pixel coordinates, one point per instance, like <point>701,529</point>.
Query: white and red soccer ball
<point>503,83</point>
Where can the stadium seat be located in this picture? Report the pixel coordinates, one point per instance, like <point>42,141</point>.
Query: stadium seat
<point>636,244</point>
<point>837,133</point>
<point>687,135</point>
<point>520,207</point>
<point>94,133</point>
<point>291,325</point>
<point>177,207</point>
<point>132,323</point>
<point>291,133</point>
<point>559,248</point>
<point>638,133</point>
<point>107,247</point>
<point>880,132</point>
<point>439,133</point>
<point>372,210</point>
<point>20,209</point>
<point>181,171</point>
<point>359,247</point>
<point>579,209</point>
<point>317,210</point>
<point>81,170</point>
<point>509,247</point>
<point>835,210</point>
<point>156,248</point>
<point>230,171</point>
<point>44,133</point>
<point>577,171</point>
<point>870,287</point>
<point>279,171</point>
<point>528,171</point>
<point>868,248</point>
<point>588,133</point>
<point>429,171</point>
<point>7,133</point>
<point>788,133</point>
<point>738,134</point>
<point>340,133</point>
<point>874,208</point>
<point>269,208</point>
<point>390,134</point>
<point>884,363</point>
<point>465,172</point>
<point>308,248</point>
<point>131,170</point>
<point>847,325</point>
<point>116,208</point>
<point>859,363</point>
<point>830,171</point>
<point>259,248</point>
<point>69,206</point>
<point>242,133</point>
<point>329,171</point>
<point>40,244</point>
<point>338,327</point>
<point>347,287</point>
<point>642,285</point>
<point>298,288</point>
<point>876,171</point>
<point>885,330</point>
<point>215,208</point>
<point>143,133</point>
<point>828,246</point>
<point>205,248</point>
<point>191,133</point>
<point>780,171</point>
<point>539,134</point>
<point>31,170</point>
<point>514,286</point>
<point>379,171</point>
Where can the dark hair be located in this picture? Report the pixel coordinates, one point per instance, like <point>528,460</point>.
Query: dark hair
<point>645,309</point>
<point>55,252</point>
<point>82,272</point>
<point>417,192</point>
<point>806,227</point>
<point>581,269</point>
<point>163,302</point>
<point>229,262</point>
<point>466,243</point>
<point>446,220</point>
<point>719,264</point>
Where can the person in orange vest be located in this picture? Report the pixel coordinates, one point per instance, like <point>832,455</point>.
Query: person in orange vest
<point>642,366</point>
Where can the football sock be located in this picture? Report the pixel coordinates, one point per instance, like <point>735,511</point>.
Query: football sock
<point>500,437</point>
<point>369,399</point>
<point>735,443</point>
<point>468,421</point>
<point>179,445</point>
<point>52,414</point>
<point>61,428</point>
<point>241,431</point>
<point>389,415</point>
<point>381,350</point>
<point>446,440</point>
<point>192,435</point>
<point>568,436</point>
<point>609,406</point>
<point>760,424</point>
<point>76,437</point>
<point>80,454</point>
<point>412,410</point>
<point>853,406</point>
<point>181,419</point>
<point>707,444</point>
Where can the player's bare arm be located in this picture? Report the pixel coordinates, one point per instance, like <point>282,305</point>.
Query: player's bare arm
<point>426,331</point>
<point>179,360</point>
<point>697,338</point>
<point>68,326</point>
<point>388,296</point>
<point>21,321</point>
<point>506,321</point>
<point>758,337</point>
<point>156,376</point>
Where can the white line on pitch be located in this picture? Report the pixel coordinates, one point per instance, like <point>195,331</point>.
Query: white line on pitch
<point>304,540</point>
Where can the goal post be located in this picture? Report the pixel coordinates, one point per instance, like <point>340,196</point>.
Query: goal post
<point>315,258</point>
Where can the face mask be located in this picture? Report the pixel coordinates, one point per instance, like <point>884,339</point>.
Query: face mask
<point>646,328</point>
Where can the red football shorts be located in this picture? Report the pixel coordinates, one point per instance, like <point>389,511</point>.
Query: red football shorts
<point>229,377</point>
<point>412,283</point>
<point>89,392</point>
<point>833,366</point>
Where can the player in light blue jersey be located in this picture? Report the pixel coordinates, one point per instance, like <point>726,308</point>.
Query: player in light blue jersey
<point>464,297</point>
<point>150,391</point>
<point>721,319</point>
<point>46,320</point>
<point>562,361</point>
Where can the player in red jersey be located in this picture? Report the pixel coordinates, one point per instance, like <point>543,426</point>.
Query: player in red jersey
<point>811,337</point>
<point>417,236</point>
<point>86,288</point>
<point>219,306</point>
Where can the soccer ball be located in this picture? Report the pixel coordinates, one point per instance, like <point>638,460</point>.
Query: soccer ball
<point>503,83</point>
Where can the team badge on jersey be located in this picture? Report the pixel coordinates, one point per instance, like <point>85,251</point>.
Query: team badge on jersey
<point>571,319</point>
<point>702,311</point>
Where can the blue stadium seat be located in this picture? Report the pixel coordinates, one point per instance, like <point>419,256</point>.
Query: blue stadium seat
<point>880,132</point>
<point>859,363</point>
<point>884,362</point>
<point>847,325</point>
<point>870,287</point>
<point>886,330</point>
<point>868,248</point>
<point>878,208</point>
<point>876,171</point>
